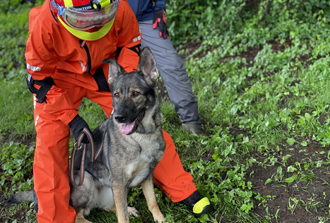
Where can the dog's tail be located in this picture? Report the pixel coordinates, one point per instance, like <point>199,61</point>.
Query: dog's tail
<point>21,197</point>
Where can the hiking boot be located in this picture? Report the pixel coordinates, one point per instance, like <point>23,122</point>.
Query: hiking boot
<point>194,128</point>
<point>197,204</point>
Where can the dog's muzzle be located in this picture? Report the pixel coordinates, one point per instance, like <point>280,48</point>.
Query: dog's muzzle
<point>129,128</point>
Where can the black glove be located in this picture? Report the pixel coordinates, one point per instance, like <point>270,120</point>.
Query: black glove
<point>77,125</point>
<point>160,21</point>
<point>83,136</point>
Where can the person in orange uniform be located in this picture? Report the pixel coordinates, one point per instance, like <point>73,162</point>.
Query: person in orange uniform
<point>68,41</point>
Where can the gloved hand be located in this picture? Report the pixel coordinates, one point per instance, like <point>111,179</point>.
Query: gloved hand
<point>160,21</point>
<point>83,136</point>
<point>77,125</point>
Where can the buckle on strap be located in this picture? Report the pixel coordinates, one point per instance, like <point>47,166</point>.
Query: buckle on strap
<point>79,153</point>
<point>45,85</point>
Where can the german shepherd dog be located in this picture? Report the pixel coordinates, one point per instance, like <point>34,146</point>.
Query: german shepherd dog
<point>132,145</point>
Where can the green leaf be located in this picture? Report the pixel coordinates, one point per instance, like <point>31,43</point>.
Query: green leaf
<point>291,169</point>
<point>291,179</point>
<point>303,143</point>
<point>268,181</point>
<point>247,207</point>
<point>215,156</point>
<point>290,141</point>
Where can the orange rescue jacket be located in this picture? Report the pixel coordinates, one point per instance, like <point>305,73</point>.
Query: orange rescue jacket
<point>52,51</point>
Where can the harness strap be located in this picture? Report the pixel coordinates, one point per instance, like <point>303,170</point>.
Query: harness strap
<point>45,85</point>
<point>100,80</point>
<point>136,49</point>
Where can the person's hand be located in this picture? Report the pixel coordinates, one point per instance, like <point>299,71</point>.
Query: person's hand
<point>80,130</point>
<point>160,21</point>
<point>83,136</point>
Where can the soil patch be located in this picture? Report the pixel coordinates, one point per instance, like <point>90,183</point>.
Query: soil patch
<point>301,201</point>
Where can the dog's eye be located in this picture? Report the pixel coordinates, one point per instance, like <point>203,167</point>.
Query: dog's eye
<point>136,93</point>
<point>116,94</point>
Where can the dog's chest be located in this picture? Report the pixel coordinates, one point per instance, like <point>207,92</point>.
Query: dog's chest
<point>144,162</point>
<point>139,170</point>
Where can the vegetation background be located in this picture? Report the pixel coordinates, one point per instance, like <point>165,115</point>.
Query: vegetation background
<point>260,70</point>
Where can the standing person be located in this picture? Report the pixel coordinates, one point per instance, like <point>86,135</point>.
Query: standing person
<point>171,68</point>
<point>68,39</point>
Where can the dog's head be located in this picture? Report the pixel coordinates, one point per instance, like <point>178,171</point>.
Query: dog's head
<point>133,93</point>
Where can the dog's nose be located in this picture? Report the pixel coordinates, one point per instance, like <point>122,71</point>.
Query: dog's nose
<point>120,118</point>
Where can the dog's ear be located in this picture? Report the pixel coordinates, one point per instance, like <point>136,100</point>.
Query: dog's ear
<point>147,65</point>
<point>114,70</point>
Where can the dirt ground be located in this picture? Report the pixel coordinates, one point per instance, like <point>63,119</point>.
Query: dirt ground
<point>310,192</point>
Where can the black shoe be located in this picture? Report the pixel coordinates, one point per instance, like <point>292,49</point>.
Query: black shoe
<point>197,204</point>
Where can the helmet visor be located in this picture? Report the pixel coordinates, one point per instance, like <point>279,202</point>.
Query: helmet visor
<point>86,19</point>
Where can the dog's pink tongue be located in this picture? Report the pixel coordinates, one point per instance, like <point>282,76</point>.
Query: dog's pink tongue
<point>126,128</point>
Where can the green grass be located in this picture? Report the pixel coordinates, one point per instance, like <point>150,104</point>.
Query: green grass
<point>263,88</point>
<point>16,111</point>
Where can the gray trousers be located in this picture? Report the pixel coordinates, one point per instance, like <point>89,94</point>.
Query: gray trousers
<point>173,72</point>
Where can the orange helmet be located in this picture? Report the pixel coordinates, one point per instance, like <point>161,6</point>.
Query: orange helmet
<point>86,19</point>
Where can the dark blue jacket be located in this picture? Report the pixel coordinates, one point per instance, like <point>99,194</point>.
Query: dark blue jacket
<point>144,9</point>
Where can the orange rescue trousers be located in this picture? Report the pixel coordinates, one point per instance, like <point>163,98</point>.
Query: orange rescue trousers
<point>51,160</point>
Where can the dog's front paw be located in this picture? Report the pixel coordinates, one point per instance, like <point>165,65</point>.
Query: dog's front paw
<point>132,211</point>
<point>160,219</point>
<point>80,218</point>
